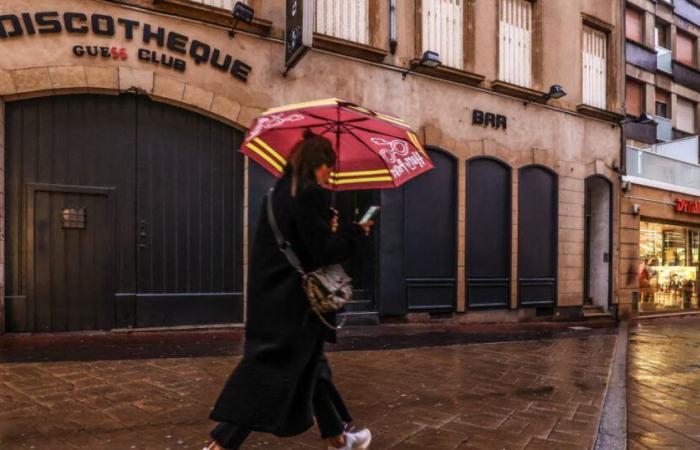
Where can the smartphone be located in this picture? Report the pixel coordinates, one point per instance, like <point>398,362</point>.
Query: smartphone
<point>371,212</point>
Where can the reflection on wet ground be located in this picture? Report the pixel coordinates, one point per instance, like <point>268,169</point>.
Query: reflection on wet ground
<point>664,384</point>
<point>539,394</point>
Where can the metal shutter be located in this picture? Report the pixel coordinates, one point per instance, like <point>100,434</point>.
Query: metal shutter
<point>343,19</point>
<point>442,30</point>
<point>595,72</point>
<point>515,42</point>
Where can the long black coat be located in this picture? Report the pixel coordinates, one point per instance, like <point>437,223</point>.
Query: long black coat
<point>272,387</point>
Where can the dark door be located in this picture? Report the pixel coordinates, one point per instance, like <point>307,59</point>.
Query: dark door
<point>488,233</point>
<point>69,258</point>
<point>430,233</point>
<point>175,185</point>
<point>537,237</point>
<point>189,233</point>
<point>362,266</point>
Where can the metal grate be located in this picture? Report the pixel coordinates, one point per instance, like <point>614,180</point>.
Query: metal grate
<point>73,218</point>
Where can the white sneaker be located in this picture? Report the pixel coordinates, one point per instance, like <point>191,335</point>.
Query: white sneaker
<point>359,440</point>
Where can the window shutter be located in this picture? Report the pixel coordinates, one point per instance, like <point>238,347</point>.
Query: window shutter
<point>595,68</point>
<point>685,115</point>
<point>226,4</point>
<point>515,42</point>
<point>633,24</point>
<point>343,19</point>
<point>685,49</point>
<point>442,30</point>
<point>634,97</point>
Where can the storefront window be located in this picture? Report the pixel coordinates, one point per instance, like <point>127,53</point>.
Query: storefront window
<point>668,267</point>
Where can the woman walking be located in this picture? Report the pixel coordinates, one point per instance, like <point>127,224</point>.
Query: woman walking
<point>284,379</point>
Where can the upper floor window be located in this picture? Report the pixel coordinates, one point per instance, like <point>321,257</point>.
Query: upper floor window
<point>661,35</point>
<point>634,97</point>
<point>515,42</point>
<point>685,48</point>
<point>595,67</point>
<point>634,24</point>
<point>443,30</point>
<point>343,19</point>
<point>685,115</point>
<point>663,104</point>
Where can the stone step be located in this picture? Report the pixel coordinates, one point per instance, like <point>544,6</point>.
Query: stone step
<point>359,318</point>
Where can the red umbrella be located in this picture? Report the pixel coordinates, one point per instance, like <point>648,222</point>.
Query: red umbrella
<point>374,150</point>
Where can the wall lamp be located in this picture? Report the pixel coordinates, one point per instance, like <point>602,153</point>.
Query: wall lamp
<point>429,59</point>
<point>555,92</point>
<point>643,118</point>
<point>241,13</point>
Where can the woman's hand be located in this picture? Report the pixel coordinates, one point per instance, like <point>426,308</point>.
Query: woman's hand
<point>367,226</point>
<point>335,222</point>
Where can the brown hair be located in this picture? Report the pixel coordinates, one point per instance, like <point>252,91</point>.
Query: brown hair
<point>309,154</point>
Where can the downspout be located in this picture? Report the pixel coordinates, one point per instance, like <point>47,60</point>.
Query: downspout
<point>393,41</point>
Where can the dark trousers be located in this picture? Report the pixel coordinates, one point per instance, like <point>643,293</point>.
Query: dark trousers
<point>329,410</point>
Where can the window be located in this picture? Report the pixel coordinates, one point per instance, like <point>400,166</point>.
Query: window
<point>225,4</point>
<point>685,115</point>
<point>515,42</point>
<point>595,71</point>
<point>661,35</point>
<point>634,24</point>
<point>442,30</point>
<point>634,97</point>
<point>343,19</point>
<point>685,49</point>
<point>663,104</point>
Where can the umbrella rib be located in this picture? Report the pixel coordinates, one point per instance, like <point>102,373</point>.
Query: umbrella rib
<point>374,152</point>
<point>375,132</point>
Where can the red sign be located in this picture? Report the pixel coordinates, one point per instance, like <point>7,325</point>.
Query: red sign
<point>688,206</point>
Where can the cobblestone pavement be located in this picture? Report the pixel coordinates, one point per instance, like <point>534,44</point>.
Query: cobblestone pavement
<point>664,384</point>
<point>515,395</point>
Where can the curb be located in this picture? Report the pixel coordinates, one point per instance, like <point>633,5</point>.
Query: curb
<point>612,428</point>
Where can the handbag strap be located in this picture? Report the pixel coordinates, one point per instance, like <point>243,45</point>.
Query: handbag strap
<point>283,244</point>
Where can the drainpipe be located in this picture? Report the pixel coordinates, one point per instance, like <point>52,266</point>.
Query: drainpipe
<point>392,27</point>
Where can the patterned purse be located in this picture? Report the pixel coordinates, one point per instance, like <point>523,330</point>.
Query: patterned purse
<point>328,288</point>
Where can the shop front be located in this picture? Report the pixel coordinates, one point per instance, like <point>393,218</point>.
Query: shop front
<point>662,256</point>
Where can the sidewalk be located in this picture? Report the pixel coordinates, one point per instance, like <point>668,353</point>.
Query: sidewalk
<point>539,394</point>
<point>664,384</point>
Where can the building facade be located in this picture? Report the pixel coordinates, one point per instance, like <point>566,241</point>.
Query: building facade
<point>127,205</point>
<point>660,225</point>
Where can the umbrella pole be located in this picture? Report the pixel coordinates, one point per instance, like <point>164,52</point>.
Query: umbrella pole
<point>336,169</point>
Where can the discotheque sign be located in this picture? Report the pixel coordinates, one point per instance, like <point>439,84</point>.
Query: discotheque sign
<point>175,50</point>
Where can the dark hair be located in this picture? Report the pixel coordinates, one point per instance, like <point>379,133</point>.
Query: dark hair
<point>309,154</point>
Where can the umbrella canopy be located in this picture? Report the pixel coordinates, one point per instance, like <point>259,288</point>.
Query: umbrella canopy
<point>374,150</point>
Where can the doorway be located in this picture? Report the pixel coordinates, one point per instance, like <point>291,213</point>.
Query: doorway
<point>598,245</point>
<point>159,190</point>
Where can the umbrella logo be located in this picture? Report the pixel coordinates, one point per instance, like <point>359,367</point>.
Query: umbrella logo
<point>272,121</point>
<point>392,149</point>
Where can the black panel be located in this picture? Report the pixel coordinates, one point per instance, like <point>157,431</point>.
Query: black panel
<point>488,233</point>
<point>190,178</point>
<point>537,237</point>
<point>687,10</point>
<point>641,132</point>
<point>640,56</point>
<point>188,218</point>
<point>430,236</point>
<point>391,284</point>
<point>686,76</point>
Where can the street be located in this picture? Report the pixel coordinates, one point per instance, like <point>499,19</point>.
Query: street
<point>664,384</point>
<point>539,394</point>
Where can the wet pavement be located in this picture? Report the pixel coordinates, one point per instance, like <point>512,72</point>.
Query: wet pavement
<point>539,394</point>
<point>664,384</point>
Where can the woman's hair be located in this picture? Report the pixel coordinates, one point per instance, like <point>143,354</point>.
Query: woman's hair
<point>309,154</point>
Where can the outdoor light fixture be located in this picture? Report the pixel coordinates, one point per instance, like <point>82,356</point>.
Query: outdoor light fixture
<point>555,92</point>
<point>643,118</point>
<point>429,59</point>
<point>242,13</point>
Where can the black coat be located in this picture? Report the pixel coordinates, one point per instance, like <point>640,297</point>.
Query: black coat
<point>271,389</point>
